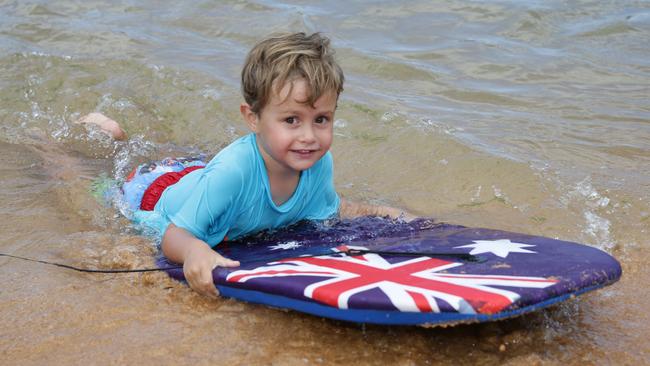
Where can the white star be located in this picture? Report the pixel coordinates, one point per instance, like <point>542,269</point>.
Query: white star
<point>501,247</point>
<point>288,245</point>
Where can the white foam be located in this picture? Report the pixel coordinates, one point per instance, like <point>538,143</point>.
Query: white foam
<point>596,226</point>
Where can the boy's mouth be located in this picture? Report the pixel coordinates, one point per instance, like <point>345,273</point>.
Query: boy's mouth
<point>304,152</point>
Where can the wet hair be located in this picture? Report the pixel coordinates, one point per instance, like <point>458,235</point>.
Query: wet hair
<point>281,59</point>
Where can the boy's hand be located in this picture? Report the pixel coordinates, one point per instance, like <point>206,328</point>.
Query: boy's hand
<point>198,266</point>
<point>197,257</point>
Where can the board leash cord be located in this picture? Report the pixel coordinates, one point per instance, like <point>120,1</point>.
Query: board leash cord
<point>349,252</point>
<point>138,270</point>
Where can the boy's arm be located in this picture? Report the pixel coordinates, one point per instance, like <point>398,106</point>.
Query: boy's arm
<point>349,209</point>
<point>197,257</point>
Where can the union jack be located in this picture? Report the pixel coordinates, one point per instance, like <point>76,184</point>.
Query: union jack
<point>413,285</point>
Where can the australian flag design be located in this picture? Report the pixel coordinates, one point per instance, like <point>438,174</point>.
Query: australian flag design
<point>420,284</point>
<point>409,273</point>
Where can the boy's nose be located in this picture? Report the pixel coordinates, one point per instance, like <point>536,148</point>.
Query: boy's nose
<point>307,133</point>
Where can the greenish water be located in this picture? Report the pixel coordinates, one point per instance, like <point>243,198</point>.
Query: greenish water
<point>523,116</point>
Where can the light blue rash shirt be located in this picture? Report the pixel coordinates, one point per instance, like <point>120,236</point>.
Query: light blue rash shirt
<point>231,196</point>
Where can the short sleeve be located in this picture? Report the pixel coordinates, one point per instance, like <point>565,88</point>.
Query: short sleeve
<point>203,204</point>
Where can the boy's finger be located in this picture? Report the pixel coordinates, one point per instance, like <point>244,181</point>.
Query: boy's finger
<point>230,263</point>
<point>207,286</point>
<point>202,284</point>
<point>195,286</point>
<point>211,292</point>
<point>225,262</point>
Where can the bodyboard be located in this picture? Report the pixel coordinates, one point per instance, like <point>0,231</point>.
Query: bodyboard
<point>374,270</point>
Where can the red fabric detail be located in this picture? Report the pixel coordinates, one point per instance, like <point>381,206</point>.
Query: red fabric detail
<point>132,174</point>
<point>155,190</point>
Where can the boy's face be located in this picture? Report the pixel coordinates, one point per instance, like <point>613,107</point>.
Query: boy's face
<point>293,135</point>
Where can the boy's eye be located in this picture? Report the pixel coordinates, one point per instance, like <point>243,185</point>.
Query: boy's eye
<point>290,120</point>
<point>321,120</point>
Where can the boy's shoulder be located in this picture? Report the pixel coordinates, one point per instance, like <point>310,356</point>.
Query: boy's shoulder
<point>237,153</point>
<point>237,160</point>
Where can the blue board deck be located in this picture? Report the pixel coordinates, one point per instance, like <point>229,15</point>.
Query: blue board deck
<point>372,270</point>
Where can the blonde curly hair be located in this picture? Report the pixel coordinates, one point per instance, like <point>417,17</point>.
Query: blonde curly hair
<point>284,58</point>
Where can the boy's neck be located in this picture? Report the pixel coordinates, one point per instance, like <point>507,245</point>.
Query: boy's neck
<point>282,185</point>
<point>283,181</point>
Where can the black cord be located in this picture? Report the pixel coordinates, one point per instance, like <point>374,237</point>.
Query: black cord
<point>92,270</point>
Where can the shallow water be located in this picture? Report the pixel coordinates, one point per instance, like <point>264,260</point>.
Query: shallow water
<point>531,117</point>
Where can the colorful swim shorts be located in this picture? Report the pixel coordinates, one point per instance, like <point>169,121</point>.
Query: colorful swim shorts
<point>146,183</point>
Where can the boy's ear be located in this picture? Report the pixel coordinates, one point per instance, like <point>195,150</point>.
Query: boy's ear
<point>249,116</point>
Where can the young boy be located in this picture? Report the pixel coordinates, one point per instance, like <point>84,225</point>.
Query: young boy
<point>279,174</point>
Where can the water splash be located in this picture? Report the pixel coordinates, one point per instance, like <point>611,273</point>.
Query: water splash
<point>128,154</point>
<point>596,226</point>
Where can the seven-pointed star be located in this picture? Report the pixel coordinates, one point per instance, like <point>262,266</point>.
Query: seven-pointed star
<point>288,245</point>
<point>501,247</point>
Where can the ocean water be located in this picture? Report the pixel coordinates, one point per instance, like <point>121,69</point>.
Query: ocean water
<point>525,116</point>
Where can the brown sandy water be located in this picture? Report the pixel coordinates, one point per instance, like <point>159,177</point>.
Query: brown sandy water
<point>524,117</point>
